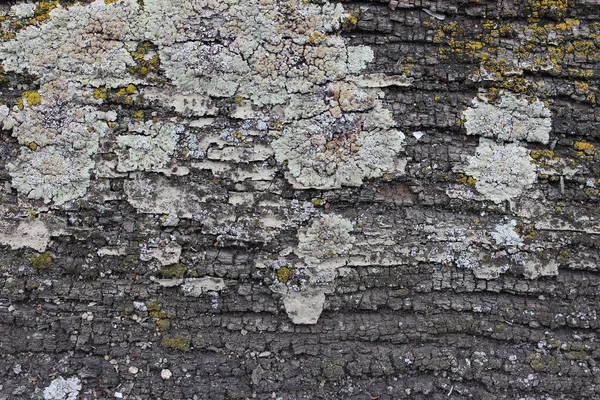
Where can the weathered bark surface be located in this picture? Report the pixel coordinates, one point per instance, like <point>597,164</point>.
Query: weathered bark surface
<point>434,285</point>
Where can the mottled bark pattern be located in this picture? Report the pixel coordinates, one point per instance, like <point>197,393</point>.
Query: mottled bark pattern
<point>169,274</point>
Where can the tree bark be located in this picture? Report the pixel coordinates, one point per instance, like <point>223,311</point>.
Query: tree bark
<point>300,200</point>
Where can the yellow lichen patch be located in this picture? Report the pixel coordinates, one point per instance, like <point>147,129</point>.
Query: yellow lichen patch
<point>138,115</point>
<point>32,145</point>
<point>592,192</point>
<point>538,154</point>
<point>528,232</point>
<point>237,135</point>
<point>465,179</point>
<point>351,20</point>
<point>100,94</point>
<point>110,1</point>
<point>316,37</point>
<point>7,35</point>
<point>536,46</point>
<point>43,9</point>
<point>548,8</point>
<point>581,87</point>
<point>587,148</point>
<point>145,63</point>
<point>31,97</point>
<point>130,88</point>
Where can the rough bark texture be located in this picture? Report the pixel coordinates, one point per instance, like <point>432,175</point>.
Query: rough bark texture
<point>170,230</point>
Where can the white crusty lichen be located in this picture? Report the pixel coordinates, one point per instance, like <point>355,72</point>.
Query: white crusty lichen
<point>511,119</point>
<point>59,125</point>
<point>501,171</point>
<point>63,389</point>
<point>505,234</point>
<point>267,52</point>
<point>304,307</point>
<point>78,44</point>
<point>59,140</point>
<point>343,149</point>
<point>323,248</point>
<point>148,150</point>
<point>197,287</point>
<point>29,233</point>
<point>327,237</point>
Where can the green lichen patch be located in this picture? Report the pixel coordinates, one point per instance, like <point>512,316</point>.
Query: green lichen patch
<point>176,342</point>
<point>163,325</point>
<point>153,306</point>
<point>173,271</point>
<point>283,274</point>
<point>158,314</point>
<point>41,261</point>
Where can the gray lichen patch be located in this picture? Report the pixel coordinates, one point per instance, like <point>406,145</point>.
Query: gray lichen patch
<point>50,174</point>
<point>304,307</point>
<point>330,151</point>
<point>512,119</point>
<point>267,53</point>
<point>501,172</point>
<point>63,389</point>
<point>159,196</point>
<point>526,264</point>
<point>533,266</point>
<point>149,150</point>
<point>33,234</point>
<point>197,287</point>
<point>327,237</point>
<point>505,234</point>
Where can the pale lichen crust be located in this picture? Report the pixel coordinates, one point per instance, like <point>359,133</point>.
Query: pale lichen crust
<point>261,53</point>
<point>501,171</point>
<point>63,389</point>
<point>511,119</point>
<point>150,149</point>
<point>327,237</point>
<point>331,151</point>
<point>58,141</point>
